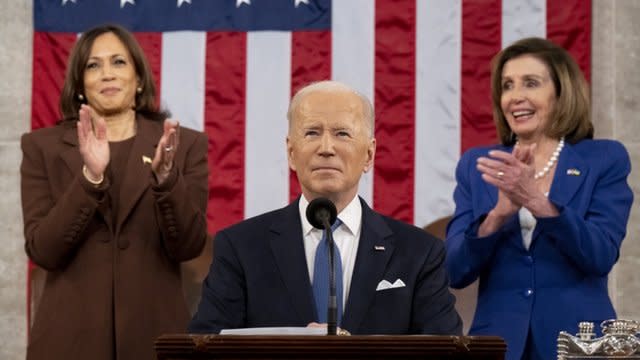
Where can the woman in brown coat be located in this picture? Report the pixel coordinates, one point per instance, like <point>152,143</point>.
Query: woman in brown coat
<point>113,198</point>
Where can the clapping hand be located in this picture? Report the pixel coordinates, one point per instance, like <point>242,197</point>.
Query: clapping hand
<point>165,151</point>
<point>93,143</point>
<point>513,175</point>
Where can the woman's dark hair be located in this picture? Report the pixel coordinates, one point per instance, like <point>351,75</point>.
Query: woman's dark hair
<point>145,102</point>
<point>571,115</point>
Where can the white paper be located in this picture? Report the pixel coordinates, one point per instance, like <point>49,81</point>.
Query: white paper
<point>275,331</point>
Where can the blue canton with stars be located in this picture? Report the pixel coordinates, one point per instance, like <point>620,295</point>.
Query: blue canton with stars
<point>196,15</point>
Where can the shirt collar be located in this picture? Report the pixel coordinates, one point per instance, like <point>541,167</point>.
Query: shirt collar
<point>351,216</point>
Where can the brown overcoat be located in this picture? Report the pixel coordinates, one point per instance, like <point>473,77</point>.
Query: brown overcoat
<point>111,287</point>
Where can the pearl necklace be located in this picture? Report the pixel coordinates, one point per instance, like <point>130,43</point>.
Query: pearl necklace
<point>551,162</point>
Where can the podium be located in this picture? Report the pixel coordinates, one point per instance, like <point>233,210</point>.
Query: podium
<point>192,346</point>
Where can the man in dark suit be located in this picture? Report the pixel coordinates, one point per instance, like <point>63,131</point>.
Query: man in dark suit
<point>263,269</point>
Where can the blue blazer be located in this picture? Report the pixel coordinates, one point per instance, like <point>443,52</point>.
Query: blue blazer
<point>259,278</point>
<point>562,278</point>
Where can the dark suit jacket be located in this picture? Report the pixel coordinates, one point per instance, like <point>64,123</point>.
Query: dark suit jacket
<point>111,287</point>
<point>259,278</point>
<point>562,278</point>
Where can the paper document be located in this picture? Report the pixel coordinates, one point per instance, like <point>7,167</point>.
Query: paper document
<point>275,331</point>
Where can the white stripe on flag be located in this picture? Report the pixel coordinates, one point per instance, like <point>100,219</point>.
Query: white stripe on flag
<point>352,57</point>
<point>268,94</point>
<point>182,76</point>
<point>437,150</point>
<point>523,18</point>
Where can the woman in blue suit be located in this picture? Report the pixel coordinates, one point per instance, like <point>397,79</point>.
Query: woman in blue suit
<point>539,218</point>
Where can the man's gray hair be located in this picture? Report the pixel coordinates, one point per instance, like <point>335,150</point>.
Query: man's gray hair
<point>332,86</point>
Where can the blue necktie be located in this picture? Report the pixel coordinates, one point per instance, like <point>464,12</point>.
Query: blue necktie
<point>321,277</point>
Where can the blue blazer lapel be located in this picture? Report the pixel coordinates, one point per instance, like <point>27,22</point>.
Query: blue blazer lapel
<point>569,176</point>
<point>287,246</point>
<point>369,268</point>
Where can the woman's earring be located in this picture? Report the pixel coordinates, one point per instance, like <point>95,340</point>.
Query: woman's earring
<point>139,90</point>
<point>81,97</point>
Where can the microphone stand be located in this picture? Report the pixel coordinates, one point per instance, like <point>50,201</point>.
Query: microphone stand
<point>332,308</point>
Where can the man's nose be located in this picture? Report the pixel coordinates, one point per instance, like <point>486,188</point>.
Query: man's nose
<point>326,143</point>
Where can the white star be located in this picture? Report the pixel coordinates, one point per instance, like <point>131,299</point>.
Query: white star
<point>66,1</point>
<point>125,2</point>
<point>240,2</point>
<point>180,2</point>
<point>298,2</point>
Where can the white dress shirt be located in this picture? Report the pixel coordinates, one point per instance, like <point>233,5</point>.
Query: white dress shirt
<point>346,238</point>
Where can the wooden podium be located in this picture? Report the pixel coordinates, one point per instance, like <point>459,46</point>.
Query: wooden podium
<point>188,346</point>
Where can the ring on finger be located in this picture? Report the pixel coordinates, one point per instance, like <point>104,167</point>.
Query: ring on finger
<point>500,174</point>
<point>168,148</point>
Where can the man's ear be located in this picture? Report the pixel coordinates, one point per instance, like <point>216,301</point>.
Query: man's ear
<point>371,154</point>
<point>292,166</point>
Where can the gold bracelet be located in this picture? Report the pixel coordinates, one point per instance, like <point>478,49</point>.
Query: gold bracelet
<point>85,172</point>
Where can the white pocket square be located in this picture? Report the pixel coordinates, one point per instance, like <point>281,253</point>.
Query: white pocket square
<point>385,285</point>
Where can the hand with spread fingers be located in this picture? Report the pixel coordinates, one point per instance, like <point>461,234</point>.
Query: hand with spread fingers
<point>93,143</point>
<point>166,150</point>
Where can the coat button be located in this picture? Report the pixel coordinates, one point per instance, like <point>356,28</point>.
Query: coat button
<point>528,260</point>
<point>528,292</point>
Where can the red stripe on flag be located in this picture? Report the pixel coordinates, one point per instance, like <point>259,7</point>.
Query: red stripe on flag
<point>310,61</point>
<point>481,40</point>
<point>151,44</point>
<point>395,45</point>
<point>569,25</point>
<point>50,53</point>
<point>225,101</point>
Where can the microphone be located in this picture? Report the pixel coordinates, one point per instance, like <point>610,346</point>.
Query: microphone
<point>321,214</point>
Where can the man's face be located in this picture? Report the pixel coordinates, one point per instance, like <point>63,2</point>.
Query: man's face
<point>329,146</point>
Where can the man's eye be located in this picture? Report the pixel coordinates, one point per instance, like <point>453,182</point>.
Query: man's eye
<point>311,133</point>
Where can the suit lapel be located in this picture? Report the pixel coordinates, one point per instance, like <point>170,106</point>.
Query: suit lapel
<point>287,246</point>
<point>136,175</point>
<point>71,155</point>
<point>569,176</point>
<point>369,268</point>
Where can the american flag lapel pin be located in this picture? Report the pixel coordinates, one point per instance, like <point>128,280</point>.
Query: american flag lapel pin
<point>146,159</point>
<point>573,172</point>
<point>378,248</point>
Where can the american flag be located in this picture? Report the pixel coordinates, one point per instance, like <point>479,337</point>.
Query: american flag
<point>229,68</point>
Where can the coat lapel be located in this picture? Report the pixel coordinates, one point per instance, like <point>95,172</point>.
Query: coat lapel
<point>287,246</point>
<point>137,173</point>
<point>71,155</point>
<point>369,268</point>
<point>569,176</point>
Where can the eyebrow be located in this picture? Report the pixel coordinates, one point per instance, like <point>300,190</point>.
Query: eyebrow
<point>525,76</point>
<point>110,56</point>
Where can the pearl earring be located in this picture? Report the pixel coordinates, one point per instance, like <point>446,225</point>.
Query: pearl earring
<point>139,90</point>
<point>81,97</point>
